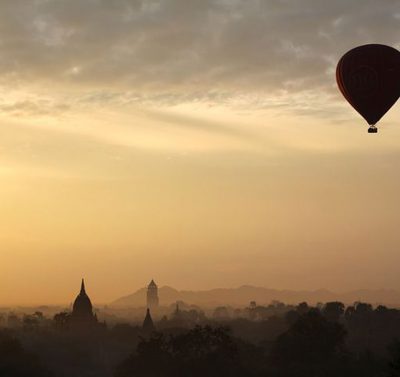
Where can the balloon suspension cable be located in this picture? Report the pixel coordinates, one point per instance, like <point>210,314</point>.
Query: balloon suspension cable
<point>372,129</point>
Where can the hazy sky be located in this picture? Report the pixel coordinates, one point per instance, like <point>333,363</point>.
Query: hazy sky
<point>202,143</point>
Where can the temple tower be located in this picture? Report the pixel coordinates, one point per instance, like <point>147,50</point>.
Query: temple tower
<point>152,295</point>
<point>82,310</point>
<point>148,325</point>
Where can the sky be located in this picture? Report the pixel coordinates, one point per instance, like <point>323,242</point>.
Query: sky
<point>202,143</point>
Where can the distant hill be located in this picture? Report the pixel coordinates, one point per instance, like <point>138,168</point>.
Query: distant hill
<point>243,295</point>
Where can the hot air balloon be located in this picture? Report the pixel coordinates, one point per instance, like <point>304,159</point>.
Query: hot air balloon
<point>369,78</point>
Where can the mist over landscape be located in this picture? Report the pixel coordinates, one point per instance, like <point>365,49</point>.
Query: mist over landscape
<point>199,188</point>
<point>243,295</point>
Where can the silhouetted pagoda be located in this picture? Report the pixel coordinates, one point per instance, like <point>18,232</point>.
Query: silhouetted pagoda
<point>152,295</point>
<point>82,311</point>
<point>148,325</point>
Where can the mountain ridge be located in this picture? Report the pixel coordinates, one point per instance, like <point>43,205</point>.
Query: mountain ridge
<point>241,296</point>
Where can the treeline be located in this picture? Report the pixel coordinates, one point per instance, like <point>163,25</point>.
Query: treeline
<point>326,341</point>
<point>290,341</point>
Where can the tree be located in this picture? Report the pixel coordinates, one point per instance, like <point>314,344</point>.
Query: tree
<point>291,316</point>
<point>311,338</point>
<point>302,308</point>
<point>394,363</point>
<point>221,312</point>
<point>333,311</point>
<point>61,320</point>
<point>152,359</point>
<point>199,352</point>
<point>16,362</point>
<point>30,322</point>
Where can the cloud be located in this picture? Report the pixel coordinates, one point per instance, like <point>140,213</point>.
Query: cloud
<point>167,51</point>
<point>36,107</point>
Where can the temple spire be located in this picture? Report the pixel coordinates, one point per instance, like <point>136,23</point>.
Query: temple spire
<point>148,325</point>
<point>83,287</point>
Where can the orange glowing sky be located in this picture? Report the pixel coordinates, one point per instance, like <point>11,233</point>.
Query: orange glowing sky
<point>201,143</point>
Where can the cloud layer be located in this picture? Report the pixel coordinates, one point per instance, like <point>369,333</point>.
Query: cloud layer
<point>173,51</point>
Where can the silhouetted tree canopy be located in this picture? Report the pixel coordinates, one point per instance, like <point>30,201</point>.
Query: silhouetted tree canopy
<point>201,351</point>
<point>394,363</point>
<point>311,338</point>
<point>274,340</point>
<point>333,311</point>
<point>15,361</point>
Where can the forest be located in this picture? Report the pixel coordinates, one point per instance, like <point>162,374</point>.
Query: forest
<point>275,340</point>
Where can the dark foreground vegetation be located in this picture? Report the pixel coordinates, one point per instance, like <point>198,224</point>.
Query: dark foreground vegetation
<point>301,341</point>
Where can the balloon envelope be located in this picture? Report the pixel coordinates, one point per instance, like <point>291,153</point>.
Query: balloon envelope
<point>369,78</point>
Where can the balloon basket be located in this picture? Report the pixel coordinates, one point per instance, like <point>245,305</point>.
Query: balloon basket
<point>372,130</point>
